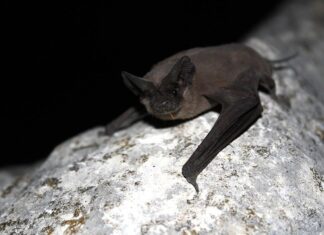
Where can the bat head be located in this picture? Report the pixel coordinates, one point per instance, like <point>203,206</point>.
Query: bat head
<point>166,98</point>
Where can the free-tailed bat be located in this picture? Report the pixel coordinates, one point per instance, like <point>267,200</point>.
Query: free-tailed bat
<point>200,79</point>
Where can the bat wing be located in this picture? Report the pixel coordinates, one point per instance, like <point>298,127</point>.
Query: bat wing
<point>240,109</point>
<point>126,119</point>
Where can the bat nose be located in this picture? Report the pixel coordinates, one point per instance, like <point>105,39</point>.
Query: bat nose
<point>164,106</point>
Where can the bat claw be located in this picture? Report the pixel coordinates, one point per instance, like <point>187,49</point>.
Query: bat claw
<point>193,181</point>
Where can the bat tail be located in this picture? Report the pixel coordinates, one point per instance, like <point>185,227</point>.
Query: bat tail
<point>285,59</point>
<point>277,65</point>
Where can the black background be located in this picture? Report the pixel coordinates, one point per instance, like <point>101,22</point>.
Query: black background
<point>62,65</point>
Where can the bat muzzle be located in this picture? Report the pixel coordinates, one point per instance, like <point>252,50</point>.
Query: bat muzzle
<point>164,107</point>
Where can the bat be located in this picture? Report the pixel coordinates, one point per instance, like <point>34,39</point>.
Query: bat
<point>191,82</point>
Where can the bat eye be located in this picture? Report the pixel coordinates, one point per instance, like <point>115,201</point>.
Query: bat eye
<point>174,92</point>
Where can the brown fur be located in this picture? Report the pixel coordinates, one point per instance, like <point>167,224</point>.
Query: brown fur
<point>215,67</point>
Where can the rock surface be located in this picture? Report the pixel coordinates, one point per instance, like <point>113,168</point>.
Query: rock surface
<point>298,27</point>
<point>270,180</point>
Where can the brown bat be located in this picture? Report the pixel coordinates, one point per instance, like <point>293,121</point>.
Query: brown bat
<point>193,81</point>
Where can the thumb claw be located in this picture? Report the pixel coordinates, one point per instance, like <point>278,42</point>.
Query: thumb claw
<point>193,181</point>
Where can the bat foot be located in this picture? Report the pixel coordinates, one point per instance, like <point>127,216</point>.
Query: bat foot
<point>193,181</point>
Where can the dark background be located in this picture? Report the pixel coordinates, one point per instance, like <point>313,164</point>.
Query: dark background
<point>62,64</point>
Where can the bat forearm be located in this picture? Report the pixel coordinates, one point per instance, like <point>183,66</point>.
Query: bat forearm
<point>231,124</point>
<point>126,119</point>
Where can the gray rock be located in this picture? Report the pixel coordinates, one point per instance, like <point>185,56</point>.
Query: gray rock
<point>268,181</point>
<point>298,27</point>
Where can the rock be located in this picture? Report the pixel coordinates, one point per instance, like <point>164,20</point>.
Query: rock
<point>298,27</point>
<point>269,180</point>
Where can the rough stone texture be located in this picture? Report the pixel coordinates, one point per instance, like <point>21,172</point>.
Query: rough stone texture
<point>299,26</point>
<point>268,181</point>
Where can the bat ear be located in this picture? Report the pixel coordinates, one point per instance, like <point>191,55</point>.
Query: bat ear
<point>184,70</point>
<point>137,85</point>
